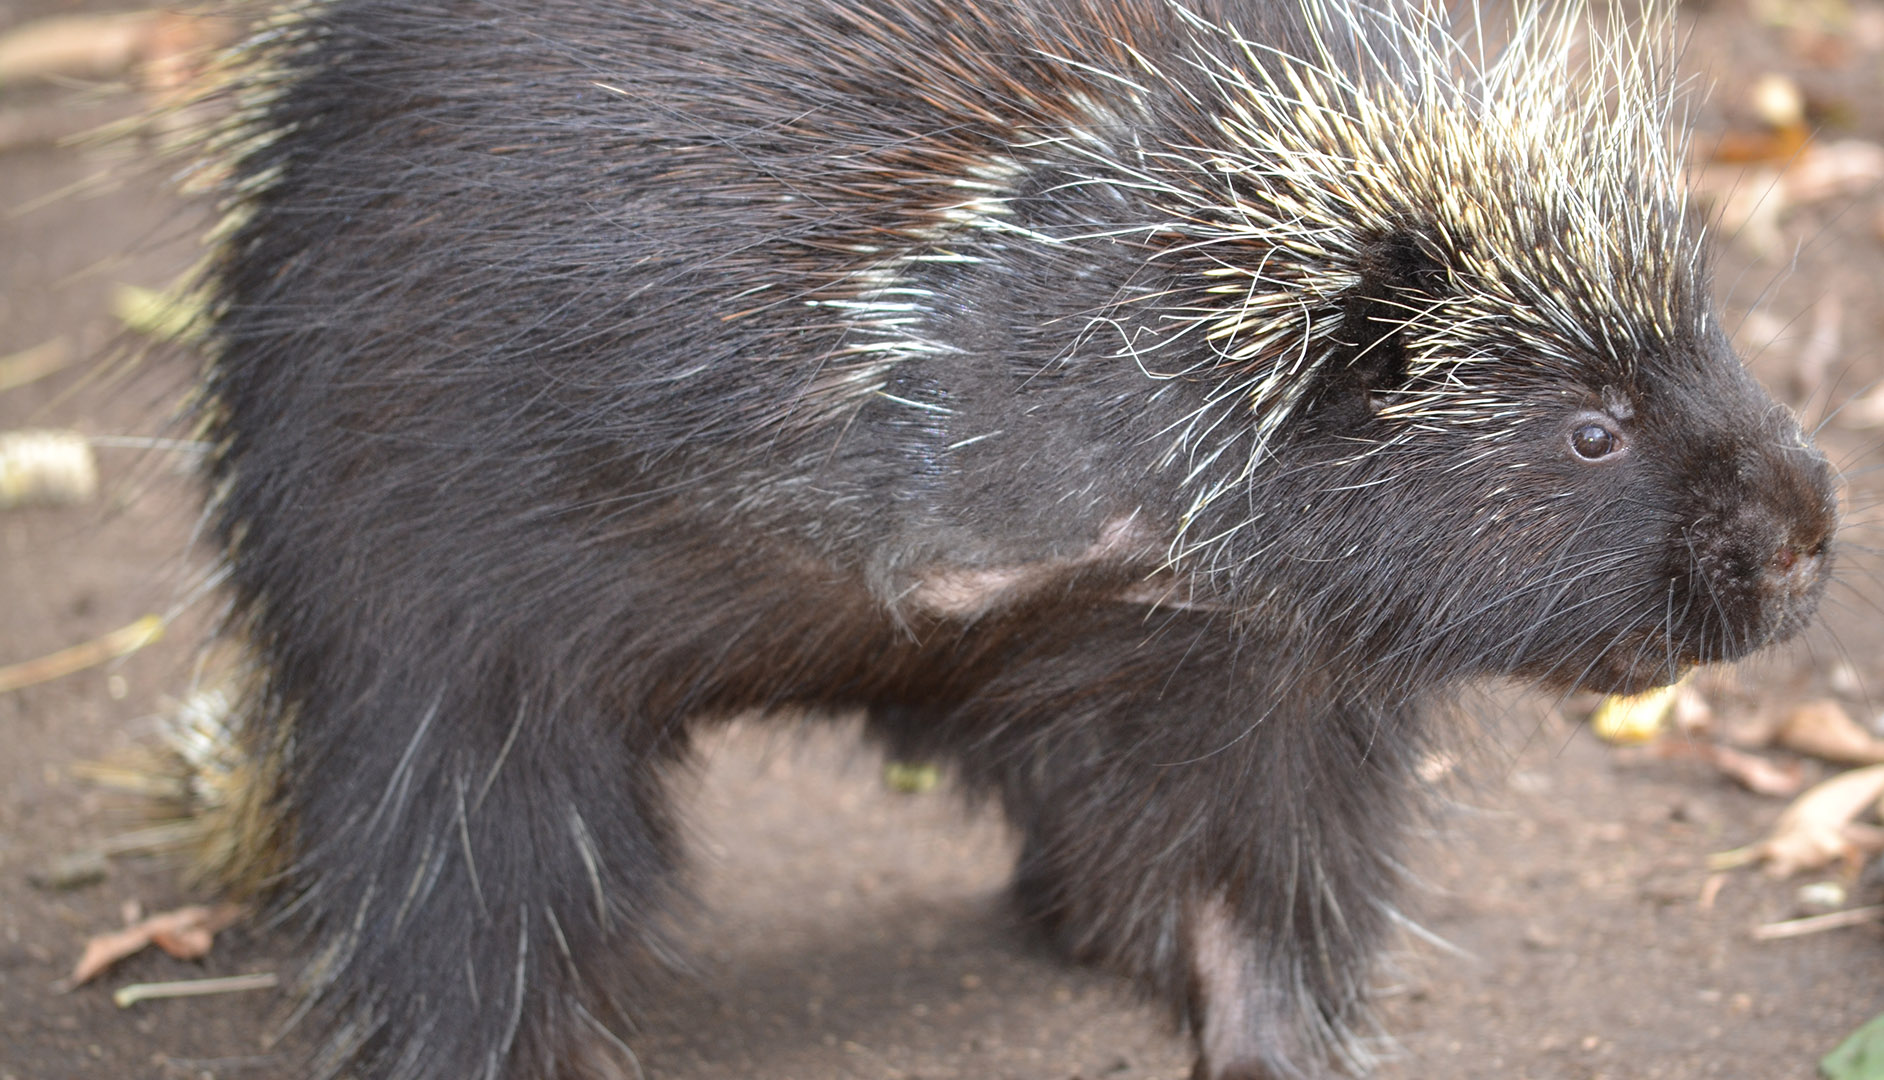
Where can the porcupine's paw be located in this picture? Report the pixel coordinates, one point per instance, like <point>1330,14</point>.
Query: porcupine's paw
<point>1247,1028</point>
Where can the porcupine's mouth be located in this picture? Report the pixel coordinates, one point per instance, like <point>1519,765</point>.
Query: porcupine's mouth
<point>1628,667</point>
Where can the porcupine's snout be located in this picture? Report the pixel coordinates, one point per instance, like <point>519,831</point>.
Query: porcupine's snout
<point>1760,547</point>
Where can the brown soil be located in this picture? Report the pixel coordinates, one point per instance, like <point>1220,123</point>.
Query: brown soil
<point>848,931</point>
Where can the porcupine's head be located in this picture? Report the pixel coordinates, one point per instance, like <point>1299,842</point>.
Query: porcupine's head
<point>1470,397</point>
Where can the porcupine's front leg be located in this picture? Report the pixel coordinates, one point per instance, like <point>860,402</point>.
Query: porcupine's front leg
<point>1231,848</point>
<point>1296,889</point>
<point>1281,948</point>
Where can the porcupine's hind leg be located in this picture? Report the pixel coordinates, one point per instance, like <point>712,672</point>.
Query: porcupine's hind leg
<point>484,851</point>
<point>1231,850</point>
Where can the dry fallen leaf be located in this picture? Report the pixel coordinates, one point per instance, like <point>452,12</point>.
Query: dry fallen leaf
<point>1830,170</point>
<point>176,52</point>
<point>1825,730</point>
<point>172,314</point>
<point>1775,146</point>
<point>1755,773</point>
<point>1693,715</point>
<point>45,467</point>
<point>1755,181</point>
<point>1635,718</point>
<point>1750,771</point>
<point>1866,410</point>
<point>185,933</point>
<point>74,46</point>
<point>1778,100</point>
<point>1820,826</point>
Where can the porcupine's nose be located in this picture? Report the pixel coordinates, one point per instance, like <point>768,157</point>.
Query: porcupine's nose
<point>1759,545</point>
<point>1797,512</point>
<point>1797,567</point>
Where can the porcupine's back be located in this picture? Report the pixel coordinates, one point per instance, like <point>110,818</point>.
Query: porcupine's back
<point>598,235</point>
<point>910,282</point>
<point>677,358</point>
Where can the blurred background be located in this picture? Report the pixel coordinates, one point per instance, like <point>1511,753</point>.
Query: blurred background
<point>1686,894</point>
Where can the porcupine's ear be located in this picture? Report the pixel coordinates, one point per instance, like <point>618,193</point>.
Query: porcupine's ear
<point>1401,274</point>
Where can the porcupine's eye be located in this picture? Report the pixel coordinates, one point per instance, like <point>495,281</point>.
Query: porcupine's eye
<point>1592,440</point>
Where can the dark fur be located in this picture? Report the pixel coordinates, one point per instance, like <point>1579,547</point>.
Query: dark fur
<point>532,453</point>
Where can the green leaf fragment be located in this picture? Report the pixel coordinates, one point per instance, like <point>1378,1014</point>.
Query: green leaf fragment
<point>1860,1057</point>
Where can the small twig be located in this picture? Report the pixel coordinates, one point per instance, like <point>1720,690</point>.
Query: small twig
<point>1814,924</point>
<point>28,365</point>
<point>130,995</point>
<point>120,642</point>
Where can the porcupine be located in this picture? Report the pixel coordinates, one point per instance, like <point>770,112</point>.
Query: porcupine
<point>1151,409</point>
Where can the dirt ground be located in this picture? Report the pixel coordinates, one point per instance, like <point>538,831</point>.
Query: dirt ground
<point>850,931</point>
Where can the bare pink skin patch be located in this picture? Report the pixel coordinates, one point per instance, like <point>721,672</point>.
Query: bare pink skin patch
<point>969,593</point>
